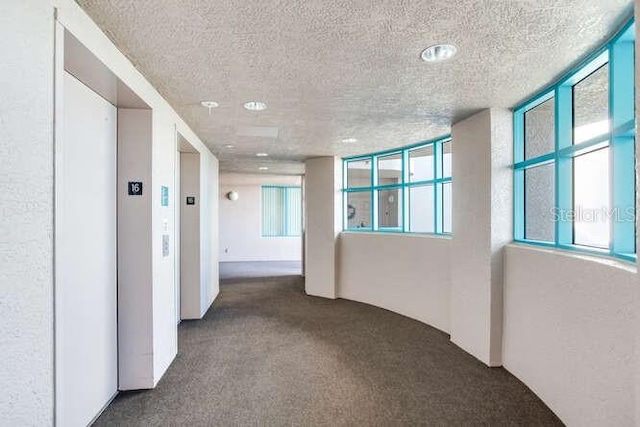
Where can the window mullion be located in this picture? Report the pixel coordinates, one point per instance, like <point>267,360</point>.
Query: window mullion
<point>564,164</point>
<point>374,193</point>
<point>621,104</point>
<point>437,188</point>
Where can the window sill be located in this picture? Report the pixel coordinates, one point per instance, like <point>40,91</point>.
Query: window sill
<point>585,255</point>
<point>399,233</point>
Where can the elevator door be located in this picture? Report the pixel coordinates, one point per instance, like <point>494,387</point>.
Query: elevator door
<point>85,240</point>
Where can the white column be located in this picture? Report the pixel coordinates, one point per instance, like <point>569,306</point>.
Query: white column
<point>482,225</point>
<point>323,219</point>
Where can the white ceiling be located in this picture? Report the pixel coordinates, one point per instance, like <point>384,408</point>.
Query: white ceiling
<point>333,69</point>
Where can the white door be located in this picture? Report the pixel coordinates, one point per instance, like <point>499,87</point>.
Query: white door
<point>85,256</point>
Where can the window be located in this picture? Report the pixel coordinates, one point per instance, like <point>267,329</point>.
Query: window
<point>404,190</point>
<point>574,149</point>
<point>281,211</point>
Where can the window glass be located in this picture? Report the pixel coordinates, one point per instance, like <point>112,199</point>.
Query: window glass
<point>421,209</point>
<point>446,159</point>
<point>390,169</point>
<point>390,208</point>
<point>539,203</point>
<point>446,207</point>
<point>421,164</point>
<point>359,173</point>
<point>591,199</point>
<point>359,209</point>
<point>591,106</point>
<point>539,128</point>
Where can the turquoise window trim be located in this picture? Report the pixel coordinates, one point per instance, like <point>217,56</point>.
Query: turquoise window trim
<point>619,54</point>
<point>285,209</point>
<point>404,186</point>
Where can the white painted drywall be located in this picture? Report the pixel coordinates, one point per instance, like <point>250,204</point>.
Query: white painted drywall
<point>482,210</point>
<point>190,236</point>
<point>323,222</point>
<point>209,230</point>
<point>26,201</point>
<point>569,333</point>
<point>163,159</point>
<point>405,273</point>
<point>85,256</point>
<point>135,270</point>
<point>241,221</point>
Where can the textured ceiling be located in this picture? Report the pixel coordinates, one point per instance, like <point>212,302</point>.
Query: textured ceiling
<point>334,69</point>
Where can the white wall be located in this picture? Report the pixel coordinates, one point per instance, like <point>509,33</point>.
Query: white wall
<point>569,335</point>
<point>241,222</point>
<point>190,236</point>
<point>482,212</point>
<point>135,267</point>
<point>407,274</point>
<point>209,230</point>
<point>323,222</point>
<point>26,208</point>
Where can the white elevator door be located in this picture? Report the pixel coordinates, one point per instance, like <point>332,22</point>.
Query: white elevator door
<point>86,311</point>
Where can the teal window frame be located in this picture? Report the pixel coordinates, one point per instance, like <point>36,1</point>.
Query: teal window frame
<point>619,54</point>
<point>437,182</point>
<point>286,214</point>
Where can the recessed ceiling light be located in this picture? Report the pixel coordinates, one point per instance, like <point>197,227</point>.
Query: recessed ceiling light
<point>228,146</point>
<point>438,52</point>
<point>262,154</point>
<point>263,168</point>
<point>349,140</point>
<point>255,106</point>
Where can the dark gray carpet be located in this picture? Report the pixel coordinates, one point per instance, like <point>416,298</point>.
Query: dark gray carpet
<point>267,354</point>
<point>236,270</point>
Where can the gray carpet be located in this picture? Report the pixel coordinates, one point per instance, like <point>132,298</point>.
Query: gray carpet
<point>267,354</point>
<point>238,270</point>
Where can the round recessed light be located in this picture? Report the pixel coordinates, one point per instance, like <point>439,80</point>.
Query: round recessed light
<point>349,140</point>
<point>262,154</point>
<point>438,52</point>
<point>263,168</point>
<point>228,146</point>
<point>255,106</point>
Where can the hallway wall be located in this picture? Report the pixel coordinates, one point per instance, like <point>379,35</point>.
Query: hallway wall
<point>26,201</point>
<point>381,269</point>
<point>241,221</point>
<point>569,335</point>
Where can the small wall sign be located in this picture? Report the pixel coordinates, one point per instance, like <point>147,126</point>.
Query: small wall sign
<point>134,188</point>
<point>165,196</point>
<point>191,200</point>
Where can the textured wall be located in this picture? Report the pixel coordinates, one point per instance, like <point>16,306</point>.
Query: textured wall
<point>381,269</point>
<point>323,221</point>
<point>569,333</point>
<point>482,188</point>
<point>26,203</point>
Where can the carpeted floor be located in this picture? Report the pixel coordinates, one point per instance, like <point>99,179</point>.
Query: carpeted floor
<point>267,354</point>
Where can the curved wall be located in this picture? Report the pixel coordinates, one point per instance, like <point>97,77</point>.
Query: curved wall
<point>569,330</point>
<point>404,273</point>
